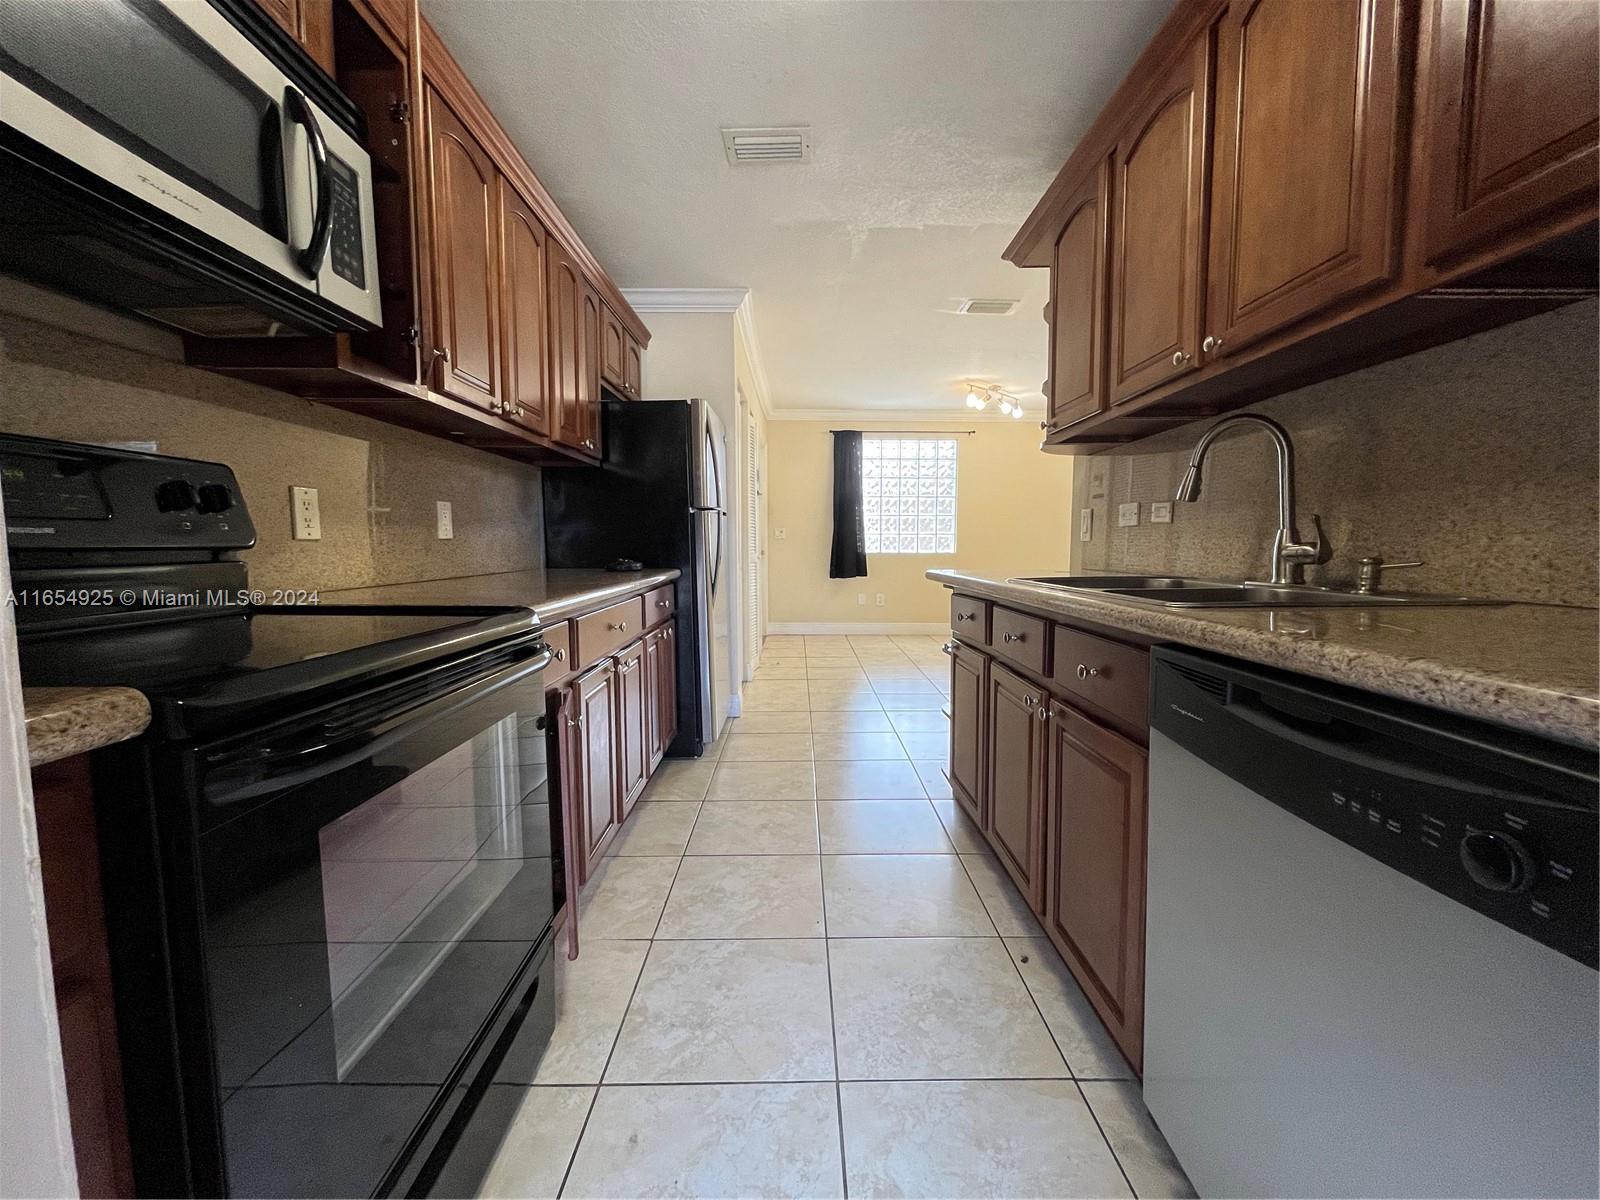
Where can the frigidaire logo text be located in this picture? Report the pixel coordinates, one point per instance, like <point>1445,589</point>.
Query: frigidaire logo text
<point>168,192</point>
<point>1187,713</point>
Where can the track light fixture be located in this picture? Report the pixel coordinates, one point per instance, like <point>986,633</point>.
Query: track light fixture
<point>981,395</point>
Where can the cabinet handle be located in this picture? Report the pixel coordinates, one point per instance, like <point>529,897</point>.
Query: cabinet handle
<point>949,648</point>
<point>663,603</point>
<point>1179,357</point>
<point>618,626</point>
<point>1029,701</point>
<point>1013,637</point>
<point>441,353</point>
<point>1087,672</point>
<point>559,655</point>
<point>966,616</point>
<point>1044,712</point>
<point>1211,343</point>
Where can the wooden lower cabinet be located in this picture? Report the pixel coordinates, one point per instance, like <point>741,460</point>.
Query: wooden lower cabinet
<point>1095,868</point>
<point>1018,713</point>
<point>633,762</point>
<point>618,718</point>
<point>969,687</point>
<point>595,708</point>
<point>1060,798</point>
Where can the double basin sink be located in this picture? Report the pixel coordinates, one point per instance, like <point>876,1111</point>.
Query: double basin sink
<point>1173,591</point>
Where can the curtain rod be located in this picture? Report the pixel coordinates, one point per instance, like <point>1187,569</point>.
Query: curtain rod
<point>910,432</point>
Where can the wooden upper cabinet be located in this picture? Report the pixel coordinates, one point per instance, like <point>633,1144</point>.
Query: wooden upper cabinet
<point>1304,170</point>
<point>633,369</point>
<point>466,275</point>
<point>1095,868</point>
<point>969,685</point>
<point>1017,714</point>
<point>589,324</point>
<point>1511,135</point>
<point>565,349</point>
<point>613,350</point>
<point>1158,230</point>
<point>522,291</point>
<point>1078,304</point>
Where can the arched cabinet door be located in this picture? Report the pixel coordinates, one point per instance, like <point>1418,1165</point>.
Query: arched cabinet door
<point>1157,230</point>
<point>466,275</point>
<point>1304,173</point>
<point>523,240</point>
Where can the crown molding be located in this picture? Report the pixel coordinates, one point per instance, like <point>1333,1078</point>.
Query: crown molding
<point>687,300</point>
<point>878,416</point>
<point>744,319</point>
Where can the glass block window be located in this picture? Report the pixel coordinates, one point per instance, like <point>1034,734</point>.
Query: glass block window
<point>908,494</point>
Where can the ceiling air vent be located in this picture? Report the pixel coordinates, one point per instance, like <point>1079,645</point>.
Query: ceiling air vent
<point>767,145</point>
<point>988,308</point>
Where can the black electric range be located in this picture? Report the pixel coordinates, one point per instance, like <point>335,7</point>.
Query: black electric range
<point>332,863</point>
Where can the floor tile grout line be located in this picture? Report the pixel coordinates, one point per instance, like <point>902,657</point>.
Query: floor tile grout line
<point>618,1083</point>
<point>833,1020</point>
<point>632,995</point>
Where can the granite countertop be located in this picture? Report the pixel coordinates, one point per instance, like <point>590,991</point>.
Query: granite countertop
<point>1530,666</point>
<point>64,721</point>
<point>553,594</point>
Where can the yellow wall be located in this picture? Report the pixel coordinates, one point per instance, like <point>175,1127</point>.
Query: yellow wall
<point>1012,518</point>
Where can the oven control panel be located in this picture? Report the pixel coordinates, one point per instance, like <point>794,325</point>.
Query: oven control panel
<point>63,496</point>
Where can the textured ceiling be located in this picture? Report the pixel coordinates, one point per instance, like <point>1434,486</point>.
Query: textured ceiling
<point>935,126</point>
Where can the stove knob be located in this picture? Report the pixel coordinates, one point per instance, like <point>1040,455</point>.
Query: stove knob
<point>1497,861</point>
<point>215,498</point>
<point>175,495</point>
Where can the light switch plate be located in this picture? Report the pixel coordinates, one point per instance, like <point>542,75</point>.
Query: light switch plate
<point>445,521</point>
<point>861,597</point>
<point>1128,514</point>
<point>305,515</point>
<point>1161,512</point>
<point>1086,524</point>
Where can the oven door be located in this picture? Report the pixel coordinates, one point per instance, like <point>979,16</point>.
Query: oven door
<point>377,891</point>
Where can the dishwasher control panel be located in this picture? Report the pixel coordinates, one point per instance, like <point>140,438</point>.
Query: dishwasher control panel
<point>1497,821</point>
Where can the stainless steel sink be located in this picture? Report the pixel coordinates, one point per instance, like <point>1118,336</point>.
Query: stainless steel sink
<point>1171,591</point>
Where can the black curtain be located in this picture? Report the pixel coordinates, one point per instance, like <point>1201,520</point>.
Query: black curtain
<point>849,559</point>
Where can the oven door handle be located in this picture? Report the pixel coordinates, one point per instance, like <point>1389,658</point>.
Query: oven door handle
<point>300,112</point>
<point>235,776</point>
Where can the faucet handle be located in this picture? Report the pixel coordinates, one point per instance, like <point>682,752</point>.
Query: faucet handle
<point>1315,551</point>
<point>1371,571</point>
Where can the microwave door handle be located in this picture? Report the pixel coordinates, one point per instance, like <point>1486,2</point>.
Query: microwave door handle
<point>310,259</point>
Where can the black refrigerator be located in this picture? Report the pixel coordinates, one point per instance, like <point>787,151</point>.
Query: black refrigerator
<point>661,499</point>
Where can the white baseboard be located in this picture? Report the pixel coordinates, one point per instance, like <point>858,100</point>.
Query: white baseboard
<point>932,628</point>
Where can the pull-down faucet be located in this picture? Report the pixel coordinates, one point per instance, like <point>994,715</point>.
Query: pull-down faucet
<point>1289,553</point>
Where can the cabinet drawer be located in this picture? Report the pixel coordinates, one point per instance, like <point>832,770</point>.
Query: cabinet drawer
<point>562,664</point>
<point>970,618</point>
<point>1108,676</point>
<point>1019,637</point>
<point>659,605</point>
<point>607,631</point>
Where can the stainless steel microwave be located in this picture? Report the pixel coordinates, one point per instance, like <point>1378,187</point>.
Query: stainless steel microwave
<point>184,160</point>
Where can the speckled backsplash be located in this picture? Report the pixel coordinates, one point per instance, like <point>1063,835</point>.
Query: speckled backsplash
<point>1478,457</point>
<point>376,483</point>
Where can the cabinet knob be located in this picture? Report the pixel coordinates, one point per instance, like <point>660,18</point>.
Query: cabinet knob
<point>663,604</point>
<point>1029,701</point>
<point>1087,672</point>
<point>559,655</point>
<point>1013,637</point>
<point>1044,712</point>
<point>1211,343</point>
<point>618,626</point>
<point>949,648</point>
<point>966,616</point>
<point>442,354</point>
<point>1179,357</point>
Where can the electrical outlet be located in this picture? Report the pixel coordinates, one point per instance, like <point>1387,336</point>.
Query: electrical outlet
<point>1128,514</point>
<point>861,597</point>
<point>305,514</point>
<point>445,521</point>
<point>880,599</point>
<point>1161,512</point>
<point>1085,524</point>
<point>780,533</point>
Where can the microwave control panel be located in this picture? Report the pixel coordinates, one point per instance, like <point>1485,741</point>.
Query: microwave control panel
<point>345,241</point>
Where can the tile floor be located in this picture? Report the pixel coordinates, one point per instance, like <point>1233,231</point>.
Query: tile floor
<point>802,974</point>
